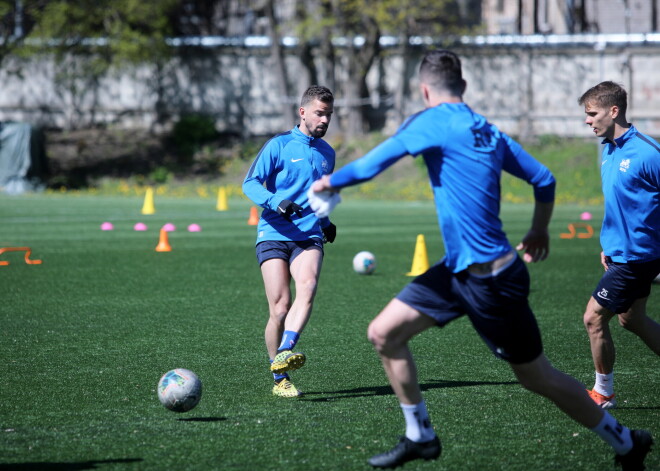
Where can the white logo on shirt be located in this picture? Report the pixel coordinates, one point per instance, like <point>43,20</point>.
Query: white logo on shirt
<point>296,160</point>
<point>603,294</point>
<point>624,165</point>
<point>603,162</point>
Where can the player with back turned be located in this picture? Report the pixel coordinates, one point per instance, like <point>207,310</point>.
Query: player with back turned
<point>481,275</point>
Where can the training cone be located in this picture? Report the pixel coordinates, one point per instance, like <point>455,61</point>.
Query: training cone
<point>420,259</point>
<point>222,199</point>
<point>148,206</point>
<point>254,217</point>
<point>163,243</point>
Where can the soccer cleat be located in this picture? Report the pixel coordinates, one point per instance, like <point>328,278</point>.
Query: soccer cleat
<point>604,402</point>
<point>634,459</point>
<point>407,450</point>
<point>285,388</point>
<point>286,360</point>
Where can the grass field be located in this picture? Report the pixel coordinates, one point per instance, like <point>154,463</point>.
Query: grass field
<point>86,335</point>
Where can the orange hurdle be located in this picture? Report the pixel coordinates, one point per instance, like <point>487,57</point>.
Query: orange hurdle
<point>572,232</point>
<point>27,251</point>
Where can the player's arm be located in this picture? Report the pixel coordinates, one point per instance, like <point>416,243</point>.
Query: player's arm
<point>363,169</point>
<point>260,170</point>
<point>536,243</point>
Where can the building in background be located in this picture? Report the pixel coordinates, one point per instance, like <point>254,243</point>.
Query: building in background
<point>570,16</point>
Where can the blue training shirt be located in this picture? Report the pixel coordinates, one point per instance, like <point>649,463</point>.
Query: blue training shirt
<point>465,156</point>
<point>630,173</point>
<point>285,168</point>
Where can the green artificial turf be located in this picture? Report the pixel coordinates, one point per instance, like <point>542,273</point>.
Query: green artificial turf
<point>86,335</point>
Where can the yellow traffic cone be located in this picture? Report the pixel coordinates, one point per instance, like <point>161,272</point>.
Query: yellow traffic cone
<point>222,199</point>
<point>148,206</point>
<point>420,259</point>
<point>254,217</point>
<point>163,243</point>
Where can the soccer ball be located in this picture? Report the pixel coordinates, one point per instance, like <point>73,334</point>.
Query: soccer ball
<point>364,263</point>
<point>179,390</point>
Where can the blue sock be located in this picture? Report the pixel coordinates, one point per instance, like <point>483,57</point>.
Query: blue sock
<point>289,340</point>
<point>279,377</point>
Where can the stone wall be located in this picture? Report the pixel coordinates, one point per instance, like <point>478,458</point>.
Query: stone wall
<point>528,91</point>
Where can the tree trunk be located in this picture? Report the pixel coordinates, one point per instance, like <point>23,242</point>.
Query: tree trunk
<point>277,56</point>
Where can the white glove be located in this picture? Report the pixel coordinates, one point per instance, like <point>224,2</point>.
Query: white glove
<point>323,202</point>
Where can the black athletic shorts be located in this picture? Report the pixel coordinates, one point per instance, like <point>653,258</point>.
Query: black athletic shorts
<point>286,250</point>
<point>496,305</point>
<point>624,283</point>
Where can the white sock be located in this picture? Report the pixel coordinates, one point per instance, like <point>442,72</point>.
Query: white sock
<point>604,384</point>
<point>615,434</point>
<point>418,424</point>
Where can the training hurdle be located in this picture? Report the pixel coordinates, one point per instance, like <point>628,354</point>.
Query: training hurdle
<point>587,232</point>
<point>27,251</point>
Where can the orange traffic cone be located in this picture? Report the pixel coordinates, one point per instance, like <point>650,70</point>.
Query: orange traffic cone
<point>163,243</point>
<point>254,217</point>
<point>420,258</point>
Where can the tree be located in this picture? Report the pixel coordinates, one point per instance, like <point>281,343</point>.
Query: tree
<point>16,21</point>
<point>89,37</point>
<point>360,24</point>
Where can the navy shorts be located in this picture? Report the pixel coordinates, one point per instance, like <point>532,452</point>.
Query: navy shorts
<point>284,249</point>
<point>624,283</point>
<point>496,305</point>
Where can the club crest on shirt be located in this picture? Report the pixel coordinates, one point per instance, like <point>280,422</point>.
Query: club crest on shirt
<point>624,165</point>
<point>324,166</point>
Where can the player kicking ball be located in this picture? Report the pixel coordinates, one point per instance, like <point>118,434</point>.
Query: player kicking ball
<point>481,275</point>
<point>290,238</point>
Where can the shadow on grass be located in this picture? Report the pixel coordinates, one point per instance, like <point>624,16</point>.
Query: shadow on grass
<point>387,390</point>
<point>52,466</point>
<point>203,419</point>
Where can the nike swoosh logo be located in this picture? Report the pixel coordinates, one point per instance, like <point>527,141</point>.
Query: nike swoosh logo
<point>603,162</point>
<point>296,160</point>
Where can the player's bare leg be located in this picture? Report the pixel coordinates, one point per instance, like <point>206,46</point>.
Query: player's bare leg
<point>275,273</point>
<point>305,270</point>
<point>390,332</point>
<point>567,393</point>
<point>636,321</point>
<point>539,376</point>
<point>596,321</point>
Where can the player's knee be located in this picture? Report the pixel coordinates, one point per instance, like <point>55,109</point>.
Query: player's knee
<point>376,337</point>
<point>306,287</point>
<point>593,321</point>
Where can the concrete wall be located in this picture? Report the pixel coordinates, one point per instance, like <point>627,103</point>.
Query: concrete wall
<point>527,91</point>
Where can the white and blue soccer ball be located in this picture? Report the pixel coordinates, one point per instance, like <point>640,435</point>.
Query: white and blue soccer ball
<point>179,390</point>
<point>364,263</point>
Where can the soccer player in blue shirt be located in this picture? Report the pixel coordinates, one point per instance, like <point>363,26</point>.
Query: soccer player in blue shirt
<point>481,275</point>
<point>630,236</point>
<point>290,237</point>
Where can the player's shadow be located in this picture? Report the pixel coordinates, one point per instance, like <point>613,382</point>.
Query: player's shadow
<point>54,466</point>
<point>203,419</point>
<point>387,390</point>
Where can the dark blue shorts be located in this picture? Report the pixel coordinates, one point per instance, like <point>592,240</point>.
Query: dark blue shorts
<point>286,250</point>
<point>496,305</point>
<point>624,283</point>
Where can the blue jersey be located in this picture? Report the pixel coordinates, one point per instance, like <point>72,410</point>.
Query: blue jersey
<point>630,173</point>
<point>285,168</point>
<point>465,156</point>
